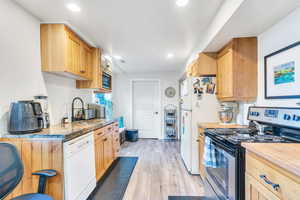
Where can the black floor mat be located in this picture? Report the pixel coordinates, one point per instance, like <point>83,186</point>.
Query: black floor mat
<point>113,184</point>
<point>185,198</point>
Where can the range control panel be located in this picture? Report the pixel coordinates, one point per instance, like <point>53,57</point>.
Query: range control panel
<point>279,116</point>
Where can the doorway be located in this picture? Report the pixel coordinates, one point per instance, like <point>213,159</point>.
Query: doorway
<point>146,108</point>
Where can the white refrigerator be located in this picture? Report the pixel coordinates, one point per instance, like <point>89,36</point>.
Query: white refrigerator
<point>198,104</point>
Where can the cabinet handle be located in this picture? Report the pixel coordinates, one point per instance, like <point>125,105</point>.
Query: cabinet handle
<point>105,139</point>
<point>267,181</point>
<point>197,140</point>
<point>99,133</point>
<point>82,71</point>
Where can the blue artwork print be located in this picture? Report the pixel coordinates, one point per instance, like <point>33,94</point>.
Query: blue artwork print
<point>284,73</point>
<point>206,80</point>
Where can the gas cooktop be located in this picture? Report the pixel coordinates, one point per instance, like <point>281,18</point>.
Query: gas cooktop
<point>238,135</point>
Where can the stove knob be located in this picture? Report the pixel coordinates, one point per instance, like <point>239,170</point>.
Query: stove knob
<point>296,118</point>
<point>256,114</point>
<point>287,117</point>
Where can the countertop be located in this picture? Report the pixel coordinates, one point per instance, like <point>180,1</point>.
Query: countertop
<point>66,132</point>
<point>284,155</point>
<point>219,125</point>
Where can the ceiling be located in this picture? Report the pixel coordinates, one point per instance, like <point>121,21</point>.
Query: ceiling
<point>251,19</point>
<point>142,32</point>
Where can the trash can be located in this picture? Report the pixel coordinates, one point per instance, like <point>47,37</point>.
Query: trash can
<point>132,135</point>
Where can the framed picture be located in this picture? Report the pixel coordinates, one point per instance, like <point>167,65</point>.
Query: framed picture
<point>282,73</point>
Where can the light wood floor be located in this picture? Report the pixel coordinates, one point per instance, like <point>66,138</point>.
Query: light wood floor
<point>159,172</point>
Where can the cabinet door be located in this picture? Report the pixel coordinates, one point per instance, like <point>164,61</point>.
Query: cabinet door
<point>86,62</point>
<point>108,150</point>
<point>99,158</point>
<point>225,75</point>
<point>201,143</point>
<point>256,191</point>
<point>73,53</point>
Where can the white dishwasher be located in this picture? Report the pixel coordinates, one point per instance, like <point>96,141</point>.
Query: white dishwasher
<point>79,167</point>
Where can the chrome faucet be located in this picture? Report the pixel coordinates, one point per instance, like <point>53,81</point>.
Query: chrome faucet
<point>82,109</point>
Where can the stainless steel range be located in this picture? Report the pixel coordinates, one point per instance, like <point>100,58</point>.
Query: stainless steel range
<point>226,181</point>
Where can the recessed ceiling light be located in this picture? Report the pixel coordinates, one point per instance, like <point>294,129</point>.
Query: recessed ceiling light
<point>170,55</point>
<point>73,7</point>
<point>118,57</point>
<point>182,3</point>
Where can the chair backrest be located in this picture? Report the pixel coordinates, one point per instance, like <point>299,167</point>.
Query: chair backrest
<point>11,169</point>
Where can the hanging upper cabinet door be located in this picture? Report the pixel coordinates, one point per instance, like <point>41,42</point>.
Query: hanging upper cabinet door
<point>237,70</point>
<point>73,54</point>
<point>225,75</point>
<point>62,52</point>
<point>86,62</point>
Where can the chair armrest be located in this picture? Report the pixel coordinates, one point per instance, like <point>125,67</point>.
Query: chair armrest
<point>45,172</point>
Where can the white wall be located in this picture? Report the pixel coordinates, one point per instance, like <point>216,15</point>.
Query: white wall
<point>20,62</point>
<point>282,34</point>
<point>121,93</point>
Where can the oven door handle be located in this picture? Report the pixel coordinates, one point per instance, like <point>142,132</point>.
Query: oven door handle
<point>225,148</point>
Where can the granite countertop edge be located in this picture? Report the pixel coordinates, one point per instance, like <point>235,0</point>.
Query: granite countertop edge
<point>65,137</point>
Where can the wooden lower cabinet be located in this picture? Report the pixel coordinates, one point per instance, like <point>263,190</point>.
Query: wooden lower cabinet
<point>201,145</point>
<point>47,153</point>
<point>99,154</point>
<point>256,191</point>
<point>105,149</point>
<point>108,149</point>
<point>116,140</point>
<point>267,181</point>
<point>38,154</point>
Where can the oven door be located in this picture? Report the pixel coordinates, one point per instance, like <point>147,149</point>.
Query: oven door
<point>222,178</point>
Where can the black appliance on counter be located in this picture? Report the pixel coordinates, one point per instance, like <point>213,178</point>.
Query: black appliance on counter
<point>106,81</point>
<point>25,117</point>
<point>227,181</point>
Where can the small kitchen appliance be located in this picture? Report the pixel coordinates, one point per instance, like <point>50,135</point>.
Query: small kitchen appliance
<point>227,180</point>
<point>228,112</point>
<point>99,110</point>
<point>24,117</point>
<point>106,80</point>
<point>89,114</point>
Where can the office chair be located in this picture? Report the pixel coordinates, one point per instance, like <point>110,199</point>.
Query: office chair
<point>11,173</point>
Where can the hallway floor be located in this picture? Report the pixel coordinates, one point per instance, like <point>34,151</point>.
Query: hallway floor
<point>159,172</point>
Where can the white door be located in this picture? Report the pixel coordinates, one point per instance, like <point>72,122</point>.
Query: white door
<point>146,116</point>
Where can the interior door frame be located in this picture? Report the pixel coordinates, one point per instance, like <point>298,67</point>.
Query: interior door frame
<point>160,136</point>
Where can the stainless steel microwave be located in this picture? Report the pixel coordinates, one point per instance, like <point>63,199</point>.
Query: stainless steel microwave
<point>106,81</point>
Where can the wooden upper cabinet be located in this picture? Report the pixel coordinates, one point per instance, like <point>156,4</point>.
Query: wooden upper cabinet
<point>64,53</point>
<point>85,62</point>
<point>237,70</point>
<point>204,65</point>
<point>95,71</point>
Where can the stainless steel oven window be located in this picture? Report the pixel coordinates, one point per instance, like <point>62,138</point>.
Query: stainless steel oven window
<point>223,177</point>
